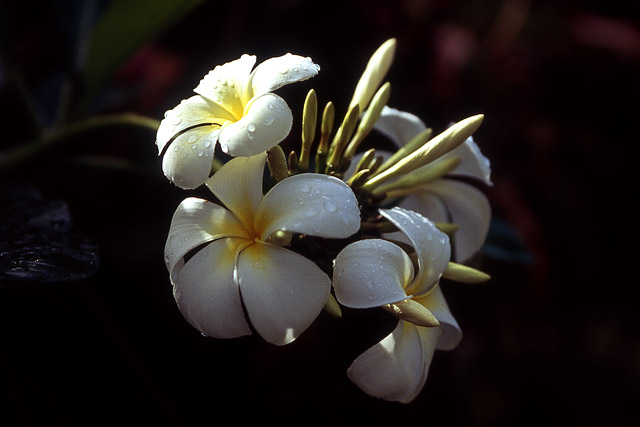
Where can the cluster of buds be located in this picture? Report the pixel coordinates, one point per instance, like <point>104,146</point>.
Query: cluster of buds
<point>337,224</point>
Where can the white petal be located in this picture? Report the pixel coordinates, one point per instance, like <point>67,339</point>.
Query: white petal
<point>399,126</point>
<point>267,122</point>
<point>396,368</point>
<point>277,72</point>
<point>431,245</point>
<point>435,302</point>
<point>238,185</point>
<point>315,204</point>
<point>282,291</point>
<point>225,84</point>
<point>190,112</point>
<point>206,293</point>
<point>187,161</point>
<point>472,162</point>
<point>469,208</point>
<point>371,273</point>
<point>197,221</point>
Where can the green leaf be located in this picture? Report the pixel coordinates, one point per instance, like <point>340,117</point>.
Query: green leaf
<point>124,26</point>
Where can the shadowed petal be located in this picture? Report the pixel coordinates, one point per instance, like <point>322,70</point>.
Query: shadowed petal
<point>197,221</point>
<point>190,112</point>
<point>399,126</point>
<point>315,204</point>
<point>435,302</point>
<point>396,368</point>
<point>282,291</point>
<point>267,122</point>
<point>473,163</point>
<point>431,245</point>
<point>207,294</point>
<point>187,162</point>
<point>371,273</point>
<point>238,185</point>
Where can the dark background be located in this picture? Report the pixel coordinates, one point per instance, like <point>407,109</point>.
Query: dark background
<point>552,337</point>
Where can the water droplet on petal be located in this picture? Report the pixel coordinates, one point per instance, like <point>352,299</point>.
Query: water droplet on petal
<point>192,138</point>
<point>251,127</point>
<point>194,147</point>
<point>271,106</point>
<point>312,211</point>
<point>330,207</point>
<point>268,121</point>
<point>207,144</point>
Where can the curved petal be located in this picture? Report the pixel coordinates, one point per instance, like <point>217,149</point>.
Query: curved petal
<point>238,185</point>
<point>206,293</point>
<point>187,162</point>
<point>473,163</point>
<point>431,245</point>
<point>451,333</point>
<point>396,368</point>
<point>267,122</point>
<point>470,209</point>
<point>197,221</point>
<point>371,273</point>
<point>399,126</point>
<point>190,112</point>
<point>276,72</point>
<point>225,84</point>
<point>282,291</point>
<point>309,203</point>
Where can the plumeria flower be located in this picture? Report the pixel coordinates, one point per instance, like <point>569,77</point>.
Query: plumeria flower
<point>375,272</point>
<point>241,262</point>
<point>446,199</point>
<point>234,107</point>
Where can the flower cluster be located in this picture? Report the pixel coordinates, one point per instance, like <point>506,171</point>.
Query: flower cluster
<point>331,225</point>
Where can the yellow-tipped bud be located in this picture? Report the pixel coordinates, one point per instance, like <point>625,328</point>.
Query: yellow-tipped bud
<point>413,181</point>
<point>413,312</point>
<point>369,119</point>
<point>464,274</point>
<point>343,134</point>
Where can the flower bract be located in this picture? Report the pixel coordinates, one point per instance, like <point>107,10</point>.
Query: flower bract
<point>240,265</point>
<point>234,107</point>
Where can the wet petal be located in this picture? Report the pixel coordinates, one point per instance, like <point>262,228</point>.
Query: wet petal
<point>399,126</point>
<point>473,163</point>
<point>206,293</point>
<point>470,209</point>
<point>187,162</point>
<point>282,291</point>
<point>190,112</point>
<point>280,71</point>
<point>225,84</point>
<point>371,273</point>
<point>435,302</point>
<point>315,204</point>
<point>238,185</point>
<point>197,221</point>
<point>396,368</point>
<point>431,246</point>
<point>267,122</point>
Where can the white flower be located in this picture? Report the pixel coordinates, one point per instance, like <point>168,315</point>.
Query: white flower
<point>233,106</point>
<point>447,199</point>
<point>241,263</point>
<point>375,272</point>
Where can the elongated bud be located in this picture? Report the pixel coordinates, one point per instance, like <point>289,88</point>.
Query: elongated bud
<point>369,118</point>
<point>376,69</point>
<point>277,163</point>
<point>413,312</point>
<point>343,134</point>
<point>309,120</point>
<point>464,274</point>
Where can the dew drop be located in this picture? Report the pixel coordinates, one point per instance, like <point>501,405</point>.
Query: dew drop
<point>207,144</point>
<point>271,106</point>
<point>269,121</point>
<point>330,207</point>
<point>311,212</point>
<point>192,138</point>
<point>251,127</point>
<point>194,147</point>
<point>200,153</point>
<point>249,135</point>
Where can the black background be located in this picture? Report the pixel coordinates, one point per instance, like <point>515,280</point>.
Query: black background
<point>555,339</point>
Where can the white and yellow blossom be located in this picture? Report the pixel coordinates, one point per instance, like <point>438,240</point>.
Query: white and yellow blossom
<point>234,107</point>
<point>378,273</point>
<point>241,263</point>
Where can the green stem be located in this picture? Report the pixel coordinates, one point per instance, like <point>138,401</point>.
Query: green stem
<point>13,158</point>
